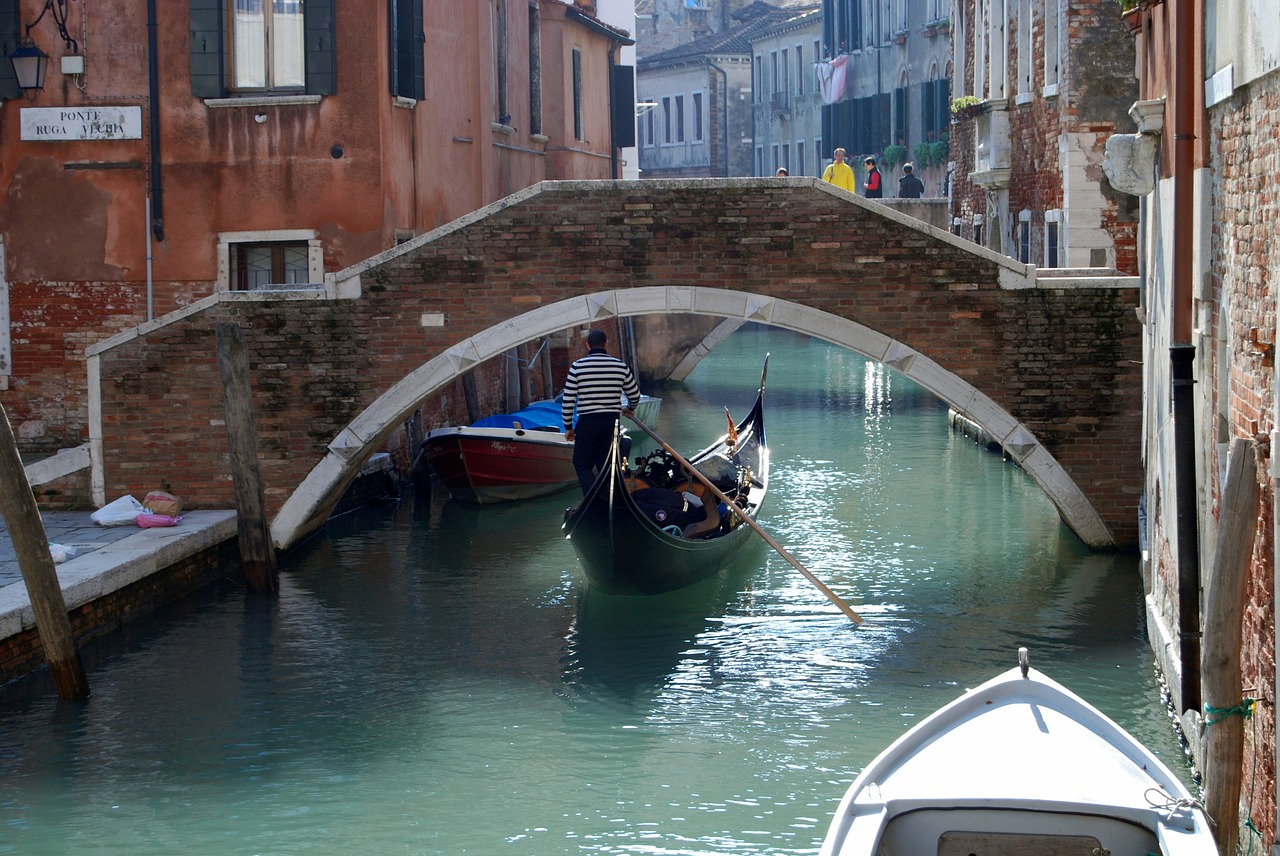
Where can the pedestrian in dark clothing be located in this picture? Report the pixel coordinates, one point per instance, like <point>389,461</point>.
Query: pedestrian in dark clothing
<point>874,186</point>
<point>910,187</point>
<point>593,394</point>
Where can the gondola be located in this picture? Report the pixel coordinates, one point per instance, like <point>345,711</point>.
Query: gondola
<point>648,527</point>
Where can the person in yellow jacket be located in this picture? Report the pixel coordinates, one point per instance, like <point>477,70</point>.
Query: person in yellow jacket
<point>840,173</point>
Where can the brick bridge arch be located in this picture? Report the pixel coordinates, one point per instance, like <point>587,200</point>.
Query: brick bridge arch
<point>1048,367</point>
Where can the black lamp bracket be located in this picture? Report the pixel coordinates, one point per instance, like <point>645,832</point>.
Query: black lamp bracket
<point>59,10</point>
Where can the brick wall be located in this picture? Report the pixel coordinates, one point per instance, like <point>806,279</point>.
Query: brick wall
<point>1062,360</point>
<point>1246,199</point>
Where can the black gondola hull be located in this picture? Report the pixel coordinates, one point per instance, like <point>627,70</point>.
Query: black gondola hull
<point>623,552</point>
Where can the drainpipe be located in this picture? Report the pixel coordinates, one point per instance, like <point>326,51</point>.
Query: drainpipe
<point>1183,352</point>
<point>153,72</point>
<point>724,112</point>
<point>613,112</point>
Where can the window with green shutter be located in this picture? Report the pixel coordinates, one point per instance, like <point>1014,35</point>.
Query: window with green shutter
<point>262,46</point>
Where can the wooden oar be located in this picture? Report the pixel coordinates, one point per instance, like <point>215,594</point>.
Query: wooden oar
<point>723,497</point>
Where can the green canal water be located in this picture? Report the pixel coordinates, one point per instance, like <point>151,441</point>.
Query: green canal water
<point>434,678</point>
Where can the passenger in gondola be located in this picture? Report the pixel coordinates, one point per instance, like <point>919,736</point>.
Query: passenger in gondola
<point>593,393</point>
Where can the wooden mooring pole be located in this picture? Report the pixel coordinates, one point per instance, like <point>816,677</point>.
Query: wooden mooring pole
<point>257,553</point>
<point>26,530</point>
<point>1223,740</point>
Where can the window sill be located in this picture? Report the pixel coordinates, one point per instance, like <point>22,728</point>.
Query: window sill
<point>263,101</point>
<point>1050,91</point>
<point>539,138</point>
<point>1023,98</point>
<point>499,128</point>
<point>404,103</point>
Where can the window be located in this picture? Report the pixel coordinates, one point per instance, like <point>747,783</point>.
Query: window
<point>800,157</point>
<point>776,162</point>
<point>759,160</point>
<point>773,63</point>
<point>1052,244</point>
<point>648,126</point>
<point>1024,242</point>
<point>900,116</point>
<point>785,86</point>
<point>256,260</point>
<point>262,46</point>
<point>577,94</point>
<point>786,156</point>
<point>666,119</point>
<point>758,94</point>
<point>266,45</point>
<point>407,40</point>
<point>799,69</point>
<point>1051,46</point>
<point>679,118</point>
<point>255,266</point>
<point>977,233</point>
<point>535,70</point>
<point>697,117</point>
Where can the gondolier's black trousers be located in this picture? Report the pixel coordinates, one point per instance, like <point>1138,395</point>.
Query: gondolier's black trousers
<point>591,439</point>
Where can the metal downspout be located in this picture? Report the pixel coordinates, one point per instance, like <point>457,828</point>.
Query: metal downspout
<point>153,72</point>
<point>724,113</point>
<point>1183,352</point>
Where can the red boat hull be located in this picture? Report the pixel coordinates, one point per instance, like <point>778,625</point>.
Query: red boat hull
<point>490,465</point>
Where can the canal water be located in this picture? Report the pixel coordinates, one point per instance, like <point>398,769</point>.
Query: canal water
<point>434,678</point>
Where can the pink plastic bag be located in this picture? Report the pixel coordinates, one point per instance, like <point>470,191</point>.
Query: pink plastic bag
<point>147,520</point>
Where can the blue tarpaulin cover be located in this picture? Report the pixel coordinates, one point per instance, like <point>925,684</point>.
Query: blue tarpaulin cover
<point>538,415</point>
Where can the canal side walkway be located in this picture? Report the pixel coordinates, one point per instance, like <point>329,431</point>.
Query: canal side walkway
<point>108,558</point>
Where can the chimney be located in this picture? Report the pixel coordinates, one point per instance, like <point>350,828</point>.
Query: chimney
<point>588,6</point>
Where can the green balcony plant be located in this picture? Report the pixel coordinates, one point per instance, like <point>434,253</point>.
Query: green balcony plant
<point>967,106</point>
<point>894,155</point>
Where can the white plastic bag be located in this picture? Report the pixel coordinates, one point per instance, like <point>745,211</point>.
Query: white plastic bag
<point>61,552</point>
<point>118,512</point>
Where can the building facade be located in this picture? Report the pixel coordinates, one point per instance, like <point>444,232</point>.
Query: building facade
<point>1201,151</point>
<point>696,113</point>
<point>787,104</point>
<point>1039,86</point>
<point>219,146</point>
<point>885,72</point>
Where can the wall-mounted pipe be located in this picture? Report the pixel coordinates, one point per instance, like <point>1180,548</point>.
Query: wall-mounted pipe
<point>153,72</point>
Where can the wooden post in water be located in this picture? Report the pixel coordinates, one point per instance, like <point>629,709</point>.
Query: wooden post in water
<point>1223,631</point>
<point>22,517</point>
<point>257,553</point>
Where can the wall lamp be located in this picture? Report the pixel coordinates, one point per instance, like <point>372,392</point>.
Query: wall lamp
<point>29,62</point>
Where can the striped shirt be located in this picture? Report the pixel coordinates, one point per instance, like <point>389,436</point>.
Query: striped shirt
<point>596,384</point>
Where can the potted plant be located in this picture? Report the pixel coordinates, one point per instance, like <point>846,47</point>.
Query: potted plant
<point>924,157</point>
<point>938,150</point>
<point>967,106</point>
<point>894,155</point>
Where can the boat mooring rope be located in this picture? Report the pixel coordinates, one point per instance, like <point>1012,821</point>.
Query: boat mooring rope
<point>1164,801</point>
<point>1244,710</point>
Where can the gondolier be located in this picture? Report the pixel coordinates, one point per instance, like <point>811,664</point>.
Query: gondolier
<point>594,390</point>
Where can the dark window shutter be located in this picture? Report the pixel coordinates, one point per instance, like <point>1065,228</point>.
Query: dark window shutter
<point>407,49</point>
<point>208,74</point>
<point>928,109</point>
<point>623,98</point>
<point>9,25</point>
<point>318,27</point>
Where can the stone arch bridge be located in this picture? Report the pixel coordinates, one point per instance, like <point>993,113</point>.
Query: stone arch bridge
<point>1047,366</point>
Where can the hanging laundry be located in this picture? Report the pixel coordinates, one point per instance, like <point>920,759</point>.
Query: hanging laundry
<point>831,78</point>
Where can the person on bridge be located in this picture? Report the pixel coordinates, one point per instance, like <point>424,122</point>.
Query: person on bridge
<point>909,186</point>
<point>840,173</point>
<point>874,187</point>
<point>593,392</point>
